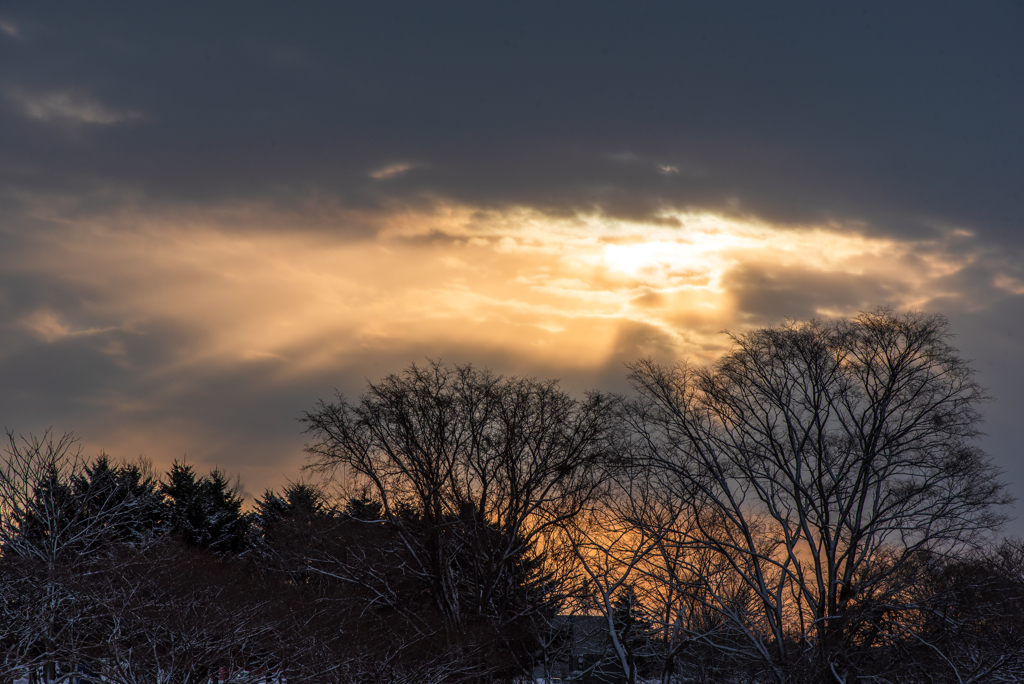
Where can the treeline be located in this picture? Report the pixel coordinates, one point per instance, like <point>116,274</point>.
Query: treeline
<point>810,508</point>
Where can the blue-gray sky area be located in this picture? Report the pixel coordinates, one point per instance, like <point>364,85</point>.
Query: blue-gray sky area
<point>213,214</point>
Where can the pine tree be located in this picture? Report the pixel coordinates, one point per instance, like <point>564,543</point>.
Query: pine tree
<point>299,500</point>
<point>226,527</point>
<point>204,512</point>
<point>634,630</point>
<point>104,487</point>
<point>364,508</point>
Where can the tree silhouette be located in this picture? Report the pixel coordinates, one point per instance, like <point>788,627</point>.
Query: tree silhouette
<point>206,512</point>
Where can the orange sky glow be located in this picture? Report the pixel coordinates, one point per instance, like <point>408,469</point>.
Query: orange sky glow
<point>548,288</point>
<point>291,294</point>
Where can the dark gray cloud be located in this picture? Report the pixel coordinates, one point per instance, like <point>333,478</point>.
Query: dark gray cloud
<point>796,111</point>
<point>772,294</point>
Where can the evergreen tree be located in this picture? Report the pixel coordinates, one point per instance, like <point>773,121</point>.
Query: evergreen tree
<point>363,508</point>
<point>288,528</point>
<point>227,526</point>
<point>204,512</point>
<point>634,630</point>
<point>299,501</point>
<point>50,521</point>
<point>102,486</point>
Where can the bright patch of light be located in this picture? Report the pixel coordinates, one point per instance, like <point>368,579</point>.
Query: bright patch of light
<point>572,291</point>
<point>632,259</point>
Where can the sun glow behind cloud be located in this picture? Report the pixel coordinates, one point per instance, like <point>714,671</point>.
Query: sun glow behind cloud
<point>201,310</point>
<point>558,290</point>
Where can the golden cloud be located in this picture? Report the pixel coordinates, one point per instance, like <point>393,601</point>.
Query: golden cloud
<point>176,328</point>
<point>550,289</point>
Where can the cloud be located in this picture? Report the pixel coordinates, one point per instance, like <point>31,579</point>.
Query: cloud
<point>275,241</point>
<point>48,326</point>
<point>67,106</point>
<point>550,288</point>
<point>1009,283</point>
<point>391,171</point>
<point>769,125</point>
<point>10,29</point>
<point>205,331</point>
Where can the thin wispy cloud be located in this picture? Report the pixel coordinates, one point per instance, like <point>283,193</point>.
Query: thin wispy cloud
<point>67,106</point>
<point>391,171</point>
<point>10,29</point>
<point>48,326</point>
<point>1009,284</point>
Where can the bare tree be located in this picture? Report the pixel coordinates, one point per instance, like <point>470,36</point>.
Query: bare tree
<point>683,588</point>
<point>965,620</point>
<point>832,455</point>
<point>471,471</point>
<point>659,593</point>
<point>171,614</point>
<point>610,551</point>
<point>57,515</point>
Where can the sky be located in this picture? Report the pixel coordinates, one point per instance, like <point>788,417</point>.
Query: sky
<point>214,214</point>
